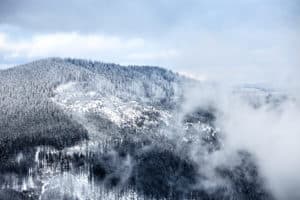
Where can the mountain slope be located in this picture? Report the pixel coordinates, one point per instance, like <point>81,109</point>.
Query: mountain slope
<point>26,92</point>
<point>78,129</point>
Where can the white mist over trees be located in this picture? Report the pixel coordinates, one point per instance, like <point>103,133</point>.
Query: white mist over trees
<point>264,122</point>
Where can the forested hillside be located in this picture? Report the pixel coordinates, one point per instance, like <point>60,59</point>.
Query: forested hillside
<point>79,129</point>
<point>29,116</point>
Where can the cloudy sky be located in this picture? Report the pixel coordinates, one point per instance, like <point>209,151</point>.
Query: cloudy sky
<point>254,41</point>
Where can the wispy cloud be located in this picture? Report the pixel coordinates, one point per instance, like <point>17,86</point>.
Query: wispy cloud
<point>90,46</point>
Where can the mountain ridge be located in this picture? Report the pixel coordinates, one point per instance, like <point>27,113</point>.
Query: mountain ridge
<point>110,130</point>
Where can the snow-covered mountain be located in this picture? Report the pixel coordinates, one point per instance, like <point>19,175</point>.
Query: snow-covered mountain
<point>78,129</point>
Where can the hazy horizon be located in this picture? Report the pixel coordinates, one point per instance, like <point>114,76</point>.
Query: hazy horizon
<point>250,41</point>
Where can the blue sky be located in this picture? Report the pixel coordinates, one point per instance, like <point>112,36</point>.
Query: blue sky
<point>251,40</point>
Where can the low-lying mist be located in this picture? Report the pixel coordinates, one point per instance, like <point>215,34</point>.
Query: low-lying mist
<point>267,126</point>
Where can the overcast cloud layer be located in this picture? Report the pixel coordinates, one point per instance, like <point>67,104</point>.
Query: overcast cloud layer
<point>254,41</point>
